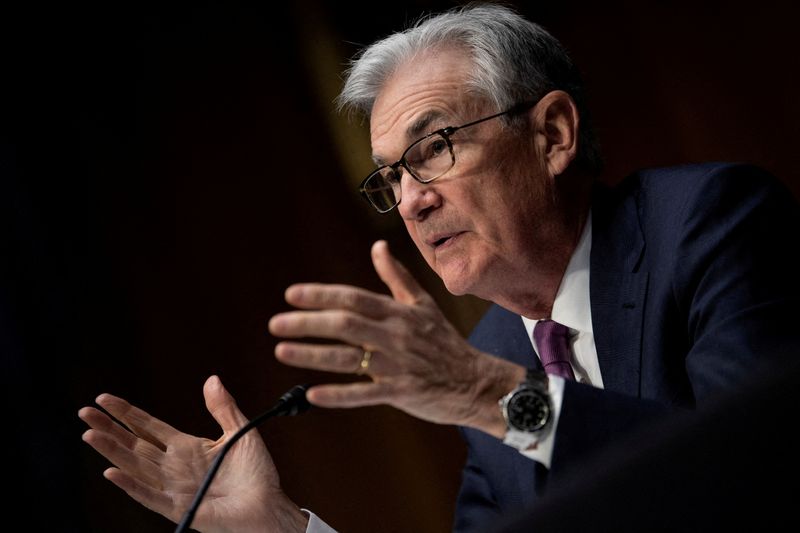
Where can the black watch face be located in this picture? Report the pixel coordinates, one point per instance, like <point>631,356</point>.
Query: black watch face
<point>528,410</point>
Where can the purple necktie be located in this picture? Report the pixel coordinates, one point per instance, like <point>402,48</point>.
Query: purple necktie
<point>553,342</point>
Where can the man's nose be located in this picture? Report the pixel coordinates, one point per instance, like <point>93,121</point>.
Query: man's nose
<point>417,199</point>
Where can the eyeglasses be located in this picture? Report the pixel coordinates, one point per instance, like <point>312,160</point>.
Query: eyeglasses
<point>425,160</point>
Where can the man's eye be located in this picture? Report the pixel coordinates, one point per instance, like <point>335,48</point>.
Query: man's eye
<point>435,148</point>
<point>438,147</point>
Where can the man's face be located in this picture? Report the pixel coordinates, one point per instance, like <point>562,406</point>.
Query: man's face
<point>479,225</point>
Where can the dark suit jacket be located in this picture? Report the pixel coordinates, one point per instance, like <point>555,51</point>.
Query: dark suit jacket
<point>692,288</point>
<point>705,470</point>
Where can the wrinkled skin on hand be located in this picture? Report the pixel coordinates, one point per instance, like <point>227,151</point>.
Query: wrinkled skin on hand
<point>420,363</point>
<point>162,468</point>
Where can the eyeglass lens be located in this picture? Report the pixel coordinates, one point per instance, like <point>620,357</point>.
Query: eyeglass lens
<point>426,159</point>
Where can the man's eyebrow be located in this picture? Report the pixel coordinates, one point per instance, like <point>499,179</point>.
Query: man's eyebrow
<point>415,131</point>
<point>421,126</point>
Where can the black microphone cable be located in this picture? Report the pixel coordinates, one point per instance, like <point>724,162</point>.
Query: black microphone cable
<point>293,402</point>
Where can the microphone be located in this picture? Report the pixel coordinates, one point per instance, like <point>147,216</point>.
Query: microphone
<point>293,402</point>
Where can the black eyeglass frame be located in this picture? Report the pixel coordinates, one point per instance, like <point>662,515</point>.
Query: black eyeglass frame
<point>445,133</point>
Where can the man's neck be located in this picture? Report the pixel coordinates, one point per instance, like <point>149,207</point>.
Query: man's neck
<point>535,291</point>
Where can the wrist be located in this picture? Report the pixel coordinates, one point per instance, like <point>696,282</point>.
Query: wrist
<point>286,517</point>
<point>495,378</point>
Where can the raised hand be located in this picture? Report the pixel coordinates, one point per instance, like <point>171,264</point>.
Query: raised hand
<point>418,362</point>
<point>162,468</point>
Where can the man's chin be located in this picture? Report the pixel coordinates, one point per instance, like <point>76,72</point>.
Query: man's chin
<point>457,285</point>
<point>459,276</point>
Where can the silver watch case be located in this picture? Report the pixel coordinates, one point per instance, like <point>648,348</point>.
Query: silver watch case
<point>527,411</point>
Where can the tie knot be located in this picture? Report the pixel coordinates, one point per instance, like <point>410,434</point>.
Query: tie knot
<point>549,328</point>
<point>554,351</point>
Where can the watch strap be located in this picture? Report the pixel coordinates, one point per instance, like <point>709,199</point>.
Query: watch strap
<point>537,378</point>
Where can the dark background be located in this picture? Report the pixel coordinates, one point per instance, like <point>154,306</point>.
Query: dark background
<point>167,169</point>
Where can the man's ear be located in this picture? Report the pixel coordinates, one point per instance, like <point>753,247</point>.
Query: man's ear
<point>556,125</point>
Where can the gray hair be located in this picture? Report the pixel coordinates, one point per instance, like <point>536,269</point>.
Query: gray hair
<point>514,61</point>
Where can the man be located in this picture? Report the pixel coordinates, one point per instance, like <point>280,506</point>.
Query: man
<point>654,296</point>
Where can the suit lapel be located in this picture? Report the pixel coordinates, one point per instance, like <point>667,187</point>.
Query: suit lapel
<point>618,288</point>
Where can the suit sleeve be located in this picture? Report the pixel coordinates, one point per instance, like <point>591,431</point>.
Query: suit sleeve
<point>496,479</point>
<point>476,501</point>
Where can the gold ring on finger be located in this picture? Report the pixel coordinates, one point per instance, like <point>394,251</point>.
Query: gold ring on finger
<point>363,365</point>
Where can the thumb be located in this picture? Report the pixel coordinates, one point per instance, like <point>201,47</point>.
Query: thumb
<point>222,406</point>
<point>401,283</point>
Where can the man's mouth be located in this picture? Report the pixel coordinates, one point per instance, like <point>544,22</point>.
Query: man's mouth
<point>444,240</point>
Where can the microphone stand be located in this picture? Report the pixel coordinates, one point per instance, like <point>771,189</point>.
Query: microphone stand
<point>293,402</point>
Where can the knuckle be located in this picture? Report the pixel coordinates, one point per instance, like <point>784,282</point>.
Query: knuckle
<point>350,299</point>
<point>404,339</point>
<point>331,355</point>
<point>346,322</point>
<point>427,327</point>
<point>425,299</point>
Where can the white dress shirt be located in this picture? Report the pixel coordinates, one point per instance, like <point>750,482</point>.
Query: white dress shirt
<point>570,308</point>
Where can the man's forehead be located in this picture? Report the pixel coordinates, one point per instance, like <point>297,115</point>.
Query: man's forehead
<point>427,121</point>
<point>415,125</point>
<point>423,124</point>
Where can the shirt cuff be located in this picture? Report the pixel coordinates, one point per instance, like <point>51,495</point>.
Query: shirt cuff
<point>315,524</point>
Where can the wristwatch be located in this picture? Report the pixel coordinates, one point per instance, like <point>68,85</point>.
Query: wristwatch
<point>527,411</point>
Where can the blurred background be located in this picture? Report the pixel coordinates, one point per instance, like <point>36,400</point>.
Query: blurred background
<point>168,168</point>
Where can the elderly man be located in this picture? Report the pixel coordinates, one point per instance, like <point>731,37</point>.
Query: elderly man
<point>611,306</point>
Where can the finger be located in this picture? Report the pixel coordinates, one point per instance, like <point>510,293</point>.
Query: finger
<point>222,406</point>
<point>401,283</point>
<point>141,423</point>
<point>329,358</point>
<point>155,500</point>
<point>122,457</point>
<point>345,326</point>
<point>99,421</point>
<point>351,395</point>
<point>324,296</point>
